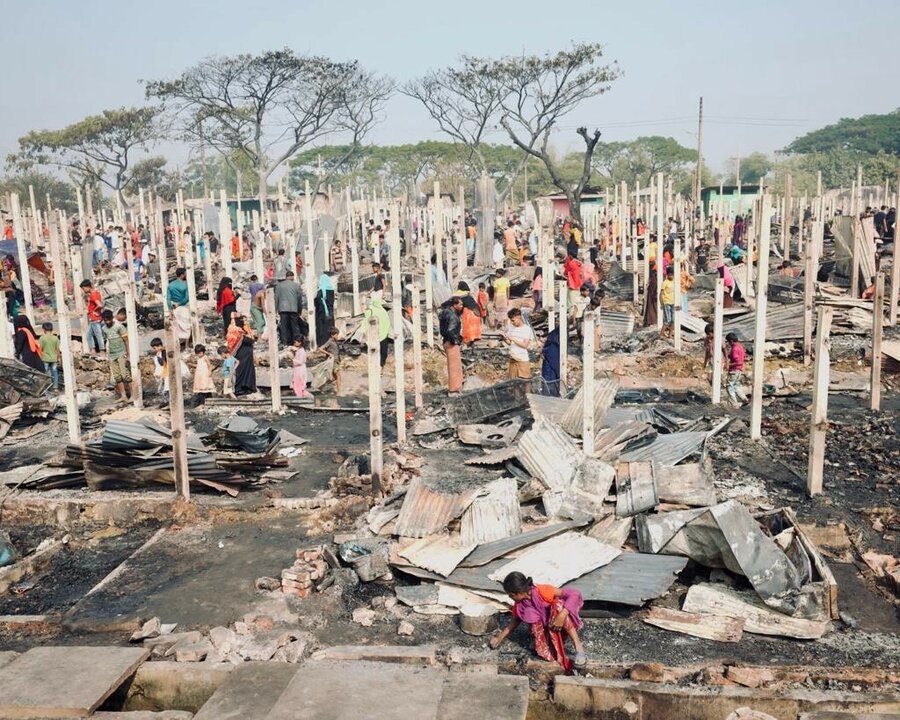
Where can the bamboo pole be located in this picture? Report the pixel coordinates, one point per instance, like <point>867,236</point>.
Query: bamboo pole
<point>417,344</point>
<point>819,420</point>
<point>397,294</point>
<point>65,337</point>
<point>176,408</point>
<point>563,339</point>
<point>22,255</point>
<point>274,370</point>
<point>759,339</point>
<point>877,334</point>
<point>587,385</point>
<point>134,340</point>
<point>376,437</point>
<point>894,297</point>
<point>717,343</point>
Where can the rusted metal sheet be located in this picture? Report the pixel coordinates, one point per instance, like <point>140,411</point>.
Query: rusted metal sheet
<point>494,515</point>
<point>438,553</point>
<point>616,324</point>
<point>549,455</point>
<point>668,449</point>
<point>488,552</point>
<point>604,395</point>
<point>426,511</point>
<point>560,559</point>
<point>635,488</point>
<point>477,406</point>
<point>631,578</point>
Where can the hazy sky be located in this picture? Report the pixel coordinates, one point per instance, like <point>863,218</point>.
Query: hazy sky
<point>768,70</point>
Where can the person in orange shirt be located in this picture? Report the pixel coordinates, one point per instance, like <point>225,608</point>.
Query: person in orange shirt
<point>235,247</point>
<point>509,243</point>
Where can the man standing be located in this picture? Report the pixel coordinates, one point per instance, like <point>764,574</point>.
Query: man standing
<point>520,338</point>
<point>116,337</point>
<point>288,306</point>
<point>279,269</point>
<point>336,257</point>
<point>451,334</point>
<point>178,302</point>
<point>94,308</point>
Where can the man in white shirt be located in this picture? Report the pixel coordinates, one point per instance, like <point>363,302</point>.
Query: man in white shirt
<point>519,337</point>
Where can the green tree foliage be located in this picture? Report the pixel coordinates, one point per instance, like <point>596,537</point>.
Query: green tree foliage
<point>99,148</point>
<point>62,194</point>
<point>869,134</point>
<point>753,167</point>
<point>640,160</point>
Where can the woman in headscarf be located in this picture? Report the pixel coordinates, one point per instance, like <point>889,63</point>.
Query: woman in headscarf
<point>550,365</point>
<point>226,300</point>
<point>240,341</point>
<point>651,297</point>
<point>26,345</point>
<point>471,315</point>
<point>732,292</point>
<point>324,302</point>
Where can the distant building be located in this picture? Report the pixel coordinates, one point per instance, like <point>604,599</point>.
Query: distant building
<point>736,203</point>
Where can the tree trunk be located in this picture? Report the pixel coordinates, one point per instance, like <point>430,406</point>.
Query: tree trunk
<point>263,174</point>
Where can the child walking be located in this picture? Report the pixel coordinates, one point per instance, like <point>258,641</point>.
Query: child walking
<point>203,382</point>
<point>229,368</point>
<point>552,614</point>
<point>736,355</point>
<point>298,379</point>
<point>49,343</point>
<point>160,370</point>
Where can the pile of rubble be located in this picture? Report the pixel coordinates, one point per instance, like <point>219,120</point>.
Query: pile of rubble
<point>138,454</point>
<point>23,394</point>
<point>621,525</point>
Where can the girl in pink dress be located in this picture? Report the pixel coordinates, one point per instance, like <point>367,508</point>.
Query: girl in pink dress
<point>298,379</point>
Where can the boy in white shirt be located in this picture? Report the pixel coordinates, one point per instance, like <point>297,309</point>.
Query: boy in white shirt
<point>520,338</point>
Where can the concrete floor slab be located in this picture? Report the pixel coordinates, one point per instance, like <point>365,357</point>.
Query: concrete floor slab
<point>249,693</point>
<point>331,690</point>
<point>351,690</point>
<point>64,681</point>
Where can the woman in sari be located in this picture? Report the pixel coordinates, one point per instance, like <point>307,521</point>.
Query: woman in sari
<point>651,299</point>
<point>226,300</point>
<point>26,345</point>
<point>553,615</point>
<point>732,292</point>
<point>240,344</point>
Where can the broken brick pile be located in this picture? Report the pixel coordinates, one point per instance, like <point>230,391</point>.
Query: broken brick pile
<point>308,569</point>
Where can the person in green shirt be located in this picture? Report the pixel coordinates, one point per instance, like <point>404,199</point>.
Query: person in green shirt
<point>116,337</point>
<point>49,343</point>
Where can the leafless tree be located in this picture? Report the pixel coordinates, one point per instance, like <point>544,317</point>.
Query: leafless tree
<point>267,107</point>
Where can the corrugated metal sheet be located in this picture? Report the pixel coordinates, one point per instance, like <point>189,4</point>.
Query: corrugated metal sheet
<point>495,457</point>
<point>23,379</point>
<point>499,434</point>
<point>560,559</point>
<point>688,484</point>
<point>426,511</point>
<point>548,408</point>
<point>438,553</point>
<point>488,552</point>
<point>549,455</point>
<point>616,415</point>
<point>635,488</point>
<point>668,449</point>
<point>477,406</point>
<point>630,579</point>
<point>604,395</point>
<point>616,324</point>
<point>494,515</point>
<point>611,442</point>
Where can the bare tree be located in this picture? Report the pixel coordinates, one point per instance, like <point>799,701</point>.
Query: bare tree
<point>538,91</point>
<point>465,103</point>
<point>267,107</point>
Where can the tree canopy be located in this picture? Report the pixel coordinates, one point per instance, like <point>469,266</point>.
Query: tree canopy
<point>98,148</point>
<point>62,194</point>
<point>869,134</point>
<point>267,107</point>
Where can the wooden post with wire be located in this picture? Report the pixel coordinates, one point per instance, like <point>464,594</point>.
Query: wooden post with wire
<point>563,338</point>
<point>417,344</point>
<point>717,343</point>
<point>819,419</point>
<point>877,335</point>
<point>759,338</point>
<point>274,370</point>
<point>587,384</point>
<point>397,303</point>
<point>176,408</point>
<point>376,436</point>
